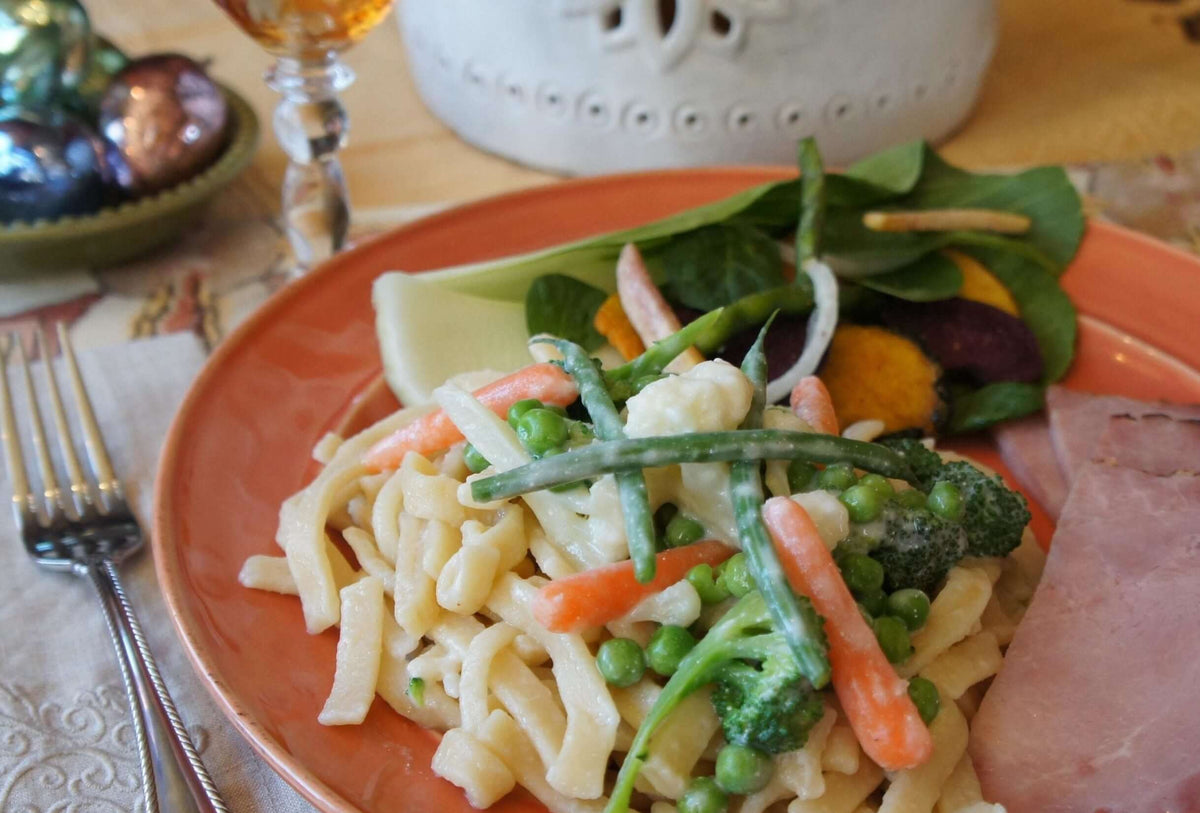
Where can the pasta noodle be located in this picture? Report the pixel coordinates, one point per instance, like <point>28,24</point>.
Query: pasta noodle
<point>358,652</point>
<point>591,716</point>
<point>955,610</point>
<point>918,789</point>
<point>462,759</point>
<point>441,588</point>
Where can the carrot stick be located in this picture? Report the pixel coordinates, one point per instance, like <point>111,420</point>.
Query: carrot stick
<point>603,594</point>
<point>874,697</point>
<point>549,383</point>
<point>811,403</point>
<point>611,322</point>
<point>646,308</point>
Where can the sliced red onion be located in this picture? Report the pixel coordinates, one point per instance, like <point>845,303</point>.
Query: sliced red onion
<point>821,324</point>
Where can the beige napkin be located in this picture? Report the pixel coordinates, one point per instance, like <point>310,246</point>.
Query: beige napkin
<point>66,742</point>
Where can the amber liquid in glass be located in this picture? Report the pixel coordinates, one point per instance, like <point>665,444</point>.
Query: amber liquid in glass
<point>302,28</point>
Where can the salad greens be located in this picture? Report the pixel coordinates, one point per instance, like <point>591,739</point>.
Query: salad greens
<point>716,265</point>
<point>565,307</point>
<point>731,250</point>
<point>927,279</point>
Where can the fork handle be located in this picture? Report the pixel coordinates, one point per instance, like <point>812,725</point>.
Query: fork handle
<point>173,777</point>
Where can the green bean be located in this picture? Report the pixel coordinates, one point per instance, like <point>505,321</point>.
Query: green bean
<point>621,380</point>
<point>699,447</point>
<point>710,332</point>
<point>754,309</point>
<point>812,201</point>
<point>631,483</point>
<point>794,615</point>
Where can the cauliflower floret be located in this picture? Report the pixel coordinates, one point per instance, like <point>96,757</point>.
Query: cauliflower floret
<point>828,514</point>
<point>711,397</point>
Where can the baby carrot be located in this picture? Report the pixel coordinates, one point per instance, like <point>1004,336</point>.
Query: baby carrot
<point>548,383</point>
<point>603,594</point>
<point>811,403</point>
<point>645,306</point>
<point>874,698</point>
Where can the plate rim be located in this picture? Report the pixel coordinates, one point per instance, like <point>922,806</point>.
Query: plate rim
<point>168,568</point>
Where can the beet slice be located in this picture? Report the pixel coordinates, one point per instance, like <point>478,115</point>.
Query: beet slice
<point>970,337</point>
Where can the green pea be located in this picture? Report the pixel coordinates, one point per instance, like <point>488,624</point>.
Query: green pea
<point>703,796</point>
<point>735,574</point>
<point>863,503</point>
<point>621,661</point>
<point>945,501</point>
<point>743,770</point>
<point>893,638</point>
<point>910,606</point>
<point>862,574</point>
<point>875,602</point>
<point>711,592</point>
<point>859,540</point>
<point>541,431</point>
<point>838,477</point>
<point>474,460</point>
<point>925,697</point>
<point>556,409</point>
<point>416,690</point>
<point>879,484</point>
<point>668,646</point>
<point>802,476</point>
<point>683,530</point>
<point>520,408</point>
<point>911,498</point>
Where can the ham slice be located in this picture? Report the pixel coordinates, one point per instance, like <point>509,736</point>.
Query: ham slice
<point>1096,707</point>
<point>1078,419</point>
<point>1026,449</point>
<point>1045,453</point>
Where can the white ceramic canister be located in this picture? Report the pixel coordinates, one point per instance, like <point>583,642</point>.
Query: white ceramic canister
<point>592,86</point>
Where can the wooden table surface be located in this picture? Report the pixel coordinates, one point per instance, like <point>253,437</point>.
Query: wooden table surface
<point>1072,81</point>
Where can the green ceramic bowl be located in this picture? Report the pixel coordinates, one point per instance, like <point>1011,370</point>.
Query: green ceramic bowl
<point>119,233</point>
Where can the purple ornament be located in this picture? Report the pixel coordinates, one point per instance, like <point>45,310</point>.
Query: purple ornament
<point>166,118</point>
<point>50,165</point>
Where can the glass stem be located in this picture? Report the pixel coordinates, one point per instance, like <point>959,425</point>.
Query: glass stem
<point>312,126</point>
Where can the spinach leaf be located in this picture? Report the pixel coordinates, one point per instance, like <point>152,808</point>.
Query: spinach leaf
<point>775,211</point>
<point>854,251</point>
<point>1045,194</point>
<point>895,170</point>
<point>973,410</point>
<point>878,177</point>
<point>772,205</point>
<point>1044,305</point>
<point>932,277</point>
<point>565,307</point>
<point>812,201</point>
<point>716,265</point>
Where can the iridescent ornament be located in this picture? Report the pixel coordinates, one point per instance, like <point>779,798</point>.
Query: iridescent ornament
<point>44,49</point>
<point>167,119</point>
<point>106,61</point>
<point>51,164</point>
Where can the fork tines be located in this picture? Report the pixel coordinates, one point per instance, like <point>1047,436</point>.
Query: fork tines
<point>85,501</point>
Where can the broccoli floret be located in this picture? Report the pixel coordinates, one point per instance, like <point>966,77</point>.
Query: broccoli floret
<point>924,462</point>
<point>761,695</point>
<point>917,548</point>
<point>771,708</point>
<point>994,515</point>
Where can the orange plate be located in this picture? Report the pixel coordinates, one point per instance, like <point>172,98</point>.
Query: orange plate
<point>240,444</point>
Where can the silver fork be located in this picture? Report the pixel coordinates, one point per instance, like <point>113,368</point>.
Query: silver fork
<point>87,531</point>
